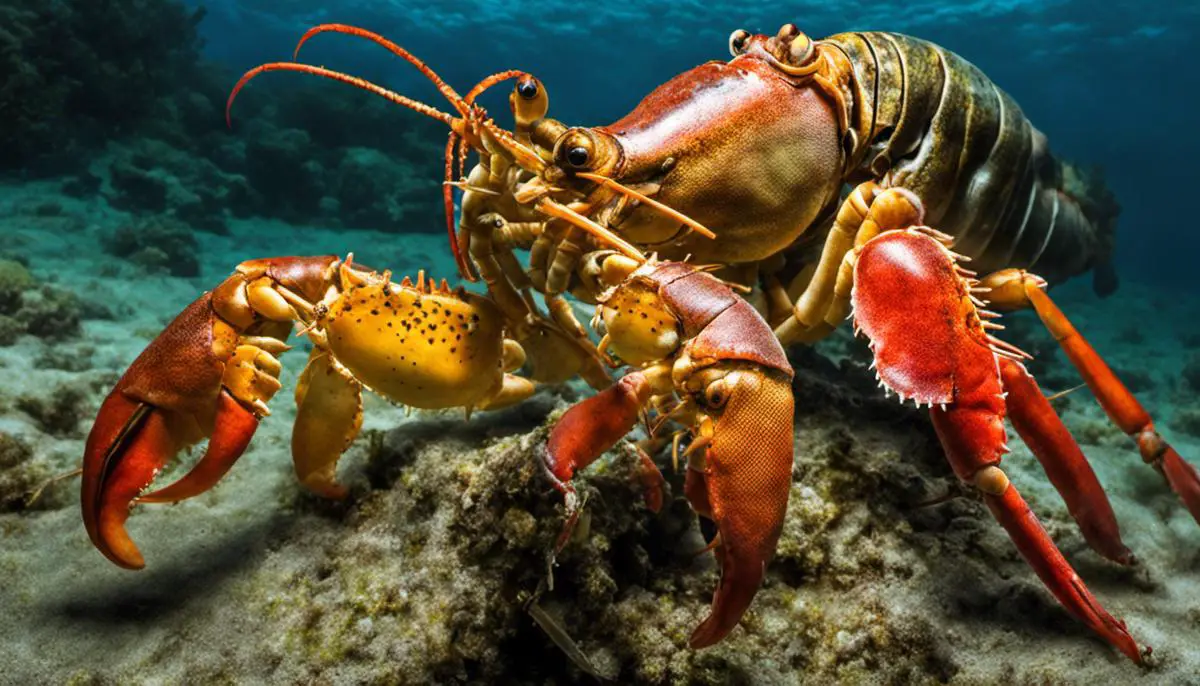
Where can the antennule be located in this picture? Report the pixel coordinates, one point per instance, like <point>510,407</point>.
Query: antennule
<point>559,211</point>
<point>647,200</point>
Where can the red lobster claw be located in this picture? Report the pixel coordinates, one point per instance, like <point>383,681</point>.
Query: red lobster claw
<point>742,484</point>
<point>171,397</point>
<point>930,344</point>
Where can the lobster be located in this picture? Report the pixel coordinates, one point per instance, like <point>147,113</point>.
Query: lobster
<point>742,165</point>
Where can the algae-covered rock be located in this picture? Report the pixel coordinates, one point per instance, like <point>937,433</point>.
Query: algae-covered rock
<point>10,330</point>
<point>50,313</point>
<point>157,244</point>
<point>15,279</point>
<point>59,411</point>
<point>19,475</point>
<point>29,307</point>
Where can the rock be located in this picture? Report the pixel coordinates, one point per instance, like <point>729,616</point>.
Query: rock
<point>15,279</point>
<point>161,244</point>
<point>59,414</point>
<point>18,475</point>
<point>29,307</point>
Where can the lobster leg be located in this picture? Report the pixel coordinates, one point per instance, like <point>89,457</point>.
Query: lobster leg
<point>1065,465</point>
<point>938,353</point>
<point>328,418</point>
<point>1035,545</point>
<point>592,427</point>
<point>1014,289</point>
<point>866,213</point>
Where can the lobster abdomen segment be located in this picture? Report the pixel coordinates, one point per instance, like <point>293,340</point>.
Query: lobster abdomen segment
<point>931,122</point>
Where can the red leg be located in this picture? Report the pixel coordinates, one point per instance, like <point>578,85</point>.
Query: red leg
<point>1039,551</point>
<point>1067,468</point>
<point>1124,409</point>
<point>1014,288</point>
<point>593,426</point>
<point>934,348</point>
<point>651,480</point>
<point>586,431</point>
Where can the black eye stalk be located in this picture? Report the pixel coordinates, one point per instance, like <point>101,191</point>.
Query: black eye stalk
<point>578,157</point>
<point>527,89</point>
<point>737,41</point>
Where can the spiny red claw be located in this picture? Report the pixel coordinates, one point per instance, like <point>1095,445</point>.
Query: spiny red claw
<point>935,350</point>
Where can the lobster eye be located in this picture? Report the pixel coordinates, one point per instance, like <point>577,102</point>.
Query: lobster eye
<point>737,41</point>
<point>575,150</point>
<point>715,395</point>
<point>578,156</point>
<point>527,89</point>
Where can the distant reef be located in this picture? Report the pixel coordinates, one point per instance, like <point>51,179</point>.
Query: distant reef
<point>117,98</point>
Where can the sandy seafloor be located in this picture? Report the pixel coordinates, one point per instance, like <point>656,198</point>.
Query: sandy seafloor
<point>256,582</point>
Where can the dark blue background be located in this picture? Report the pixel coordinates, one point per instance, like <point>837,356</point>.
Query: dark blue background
<point>1112,83</point>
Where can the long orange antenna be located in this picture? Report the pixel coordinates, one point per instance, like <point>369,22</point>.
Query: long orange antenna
<point>499,77</point>
<point>654,204</point>
<point>464,265</point>
<point>461,127</point>
<point>335,76</point>
<point>443,87</point>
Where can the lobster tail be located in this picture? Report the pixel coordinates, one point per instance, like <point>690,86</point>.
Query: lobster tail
<point>932,123</point>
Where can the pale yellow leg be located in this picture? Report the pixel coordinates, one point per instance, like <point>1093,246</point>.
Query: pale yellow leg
<point>328,418</point>
<point>513,390</point>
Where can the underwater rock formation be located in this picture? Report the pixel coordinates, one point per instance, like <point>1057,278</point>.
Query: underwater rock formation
<point>81,72</point>
<point>18,477</point>
<point>157,244</point>
<point>117,95</point>
<point>29,307</point>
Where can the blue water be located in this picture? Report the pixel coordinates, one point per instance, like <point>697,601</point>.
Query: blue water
<point>1110,83</point>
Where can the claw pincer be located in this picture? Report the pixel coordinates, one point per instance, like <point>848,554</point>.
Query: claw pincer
<point>691,337</point>
<point>212,371</point>
<point>208,375</point>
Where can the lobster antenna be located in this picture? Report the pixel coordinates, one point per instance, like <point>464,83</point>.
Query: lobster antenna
<point>465,268</point>
<point>525,157</point>
<point>460,127</point>
<point>498,77</point>
<point>335,76</point>
<point>658,206</point>
<point>443,87</point>
<point>384,93</point>
<point>463,107</point>
<point>560,211</point>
